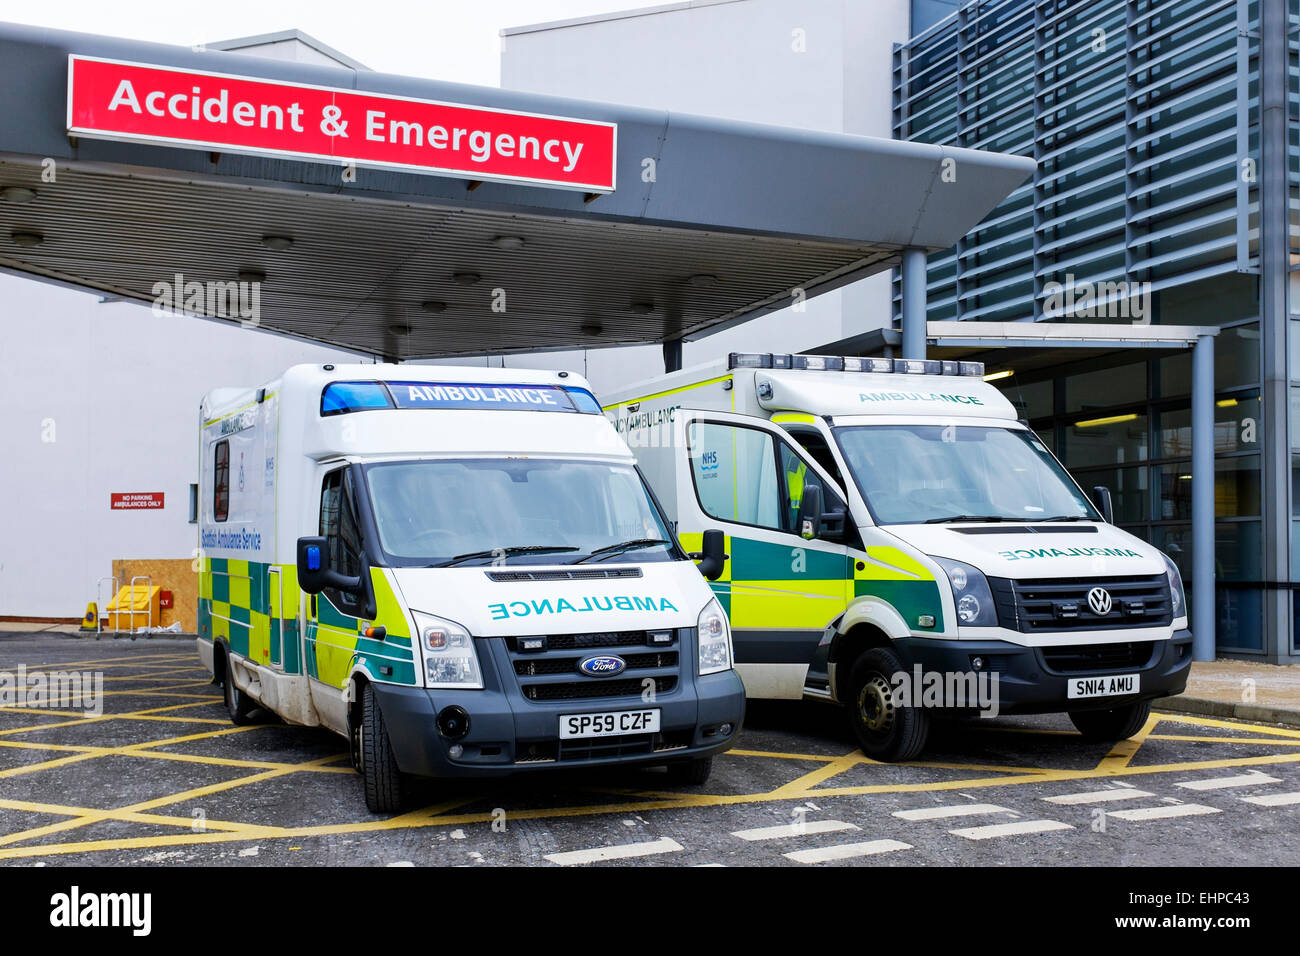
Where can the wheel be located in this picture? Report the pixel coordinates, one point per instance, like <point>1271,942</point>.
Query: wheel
<point>1118,724</point>
<point>384,790</point>
<point>691,773</point>
<point>239,705</point>
<point>885,731</point>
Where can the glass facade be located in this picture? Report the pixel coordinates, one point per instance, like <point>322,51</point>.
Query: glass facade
<point>1143,118</point>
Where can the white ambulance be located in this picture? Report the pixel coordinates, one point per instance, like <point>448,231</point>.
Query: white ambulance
<point>459,570</point>
<point>885,534</point>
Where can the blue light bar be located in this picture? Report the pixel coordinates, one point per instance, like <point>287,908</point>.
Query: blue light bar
<point>972,368</point>
<point>818,363</point>
<point>918,366</point>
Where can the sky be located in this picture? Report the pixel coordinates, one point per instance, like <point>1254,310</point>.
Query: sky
<point>456,40</point>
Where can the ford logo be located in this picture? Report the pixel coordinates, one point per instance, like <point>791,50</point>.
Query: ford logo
<point>602,666</point>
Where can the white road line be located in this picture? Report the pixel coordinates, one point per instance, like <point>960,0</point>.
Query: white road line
<point>621,852</point>
<point>1164,813</point>
<point>1010,829</point>
<point>846,851</point>
<point>1221,783</point>
<point>1273,799</point>
<point>958,810</point>
<point>1098,796</point>
<point>808,828</point>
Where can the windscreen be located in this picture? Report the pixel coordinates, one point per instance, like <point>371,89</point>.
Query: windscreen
<point>912,474</point>
<point>513,511</point>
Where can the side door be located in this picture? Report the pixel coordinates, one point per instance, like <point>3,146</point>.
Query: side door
<point>747,478</point>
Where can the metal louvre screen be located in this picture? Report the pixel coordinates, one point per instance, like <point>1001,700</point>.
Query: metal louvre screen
<point>1130,108</point>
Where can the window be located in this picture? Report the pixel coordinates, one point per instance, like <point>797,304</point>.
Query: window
<point>338,525</point>
<point>221,481</point>
<point>194,504</point>
<point>735,474</point>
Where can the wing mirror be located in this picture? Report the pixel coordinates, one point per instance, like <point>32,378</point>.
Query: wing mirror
<point>315,573</point>
<point>1102,499</point>
<point>713,558</point>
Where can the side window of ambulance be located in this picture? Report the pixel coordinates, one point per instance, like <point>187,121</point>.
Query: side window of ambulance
<point>221,480</point>
<point>735,474</point>
<point>338,525</point>
<point>797,476</point>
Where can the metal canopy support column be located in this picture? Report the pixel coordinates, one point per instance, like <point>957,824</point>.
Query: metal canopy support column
<point>673,355</point>
<point>914,303</point>
<point>1202,584</point>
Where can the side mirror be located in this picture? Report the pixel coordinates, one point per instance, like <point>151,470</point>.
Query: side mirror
<point>810,512</point>
<point>1101,497</point>
<point>712,559</point>
<point>314,571</point>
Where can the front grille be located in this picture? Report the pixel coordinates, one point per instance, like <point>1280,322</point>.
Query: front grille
<point>577,574</point>
<point>1075,659</point>
<point>553,674</point>
<point>1053,604</point>
<point>591,748</point>
<point>531,666</point>
<point>596,687</point>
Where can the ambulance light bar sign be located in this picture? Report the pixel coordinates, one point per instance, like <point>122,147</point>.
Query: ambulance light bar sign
<point>139,103</point>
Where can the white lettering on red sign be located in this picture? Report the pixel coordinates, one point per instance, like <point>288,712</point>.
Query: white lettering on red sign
<point>134,102</point>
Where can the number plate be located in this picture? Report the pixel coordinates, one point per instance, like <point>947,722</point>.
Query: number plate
<point>611,724</point>
<point>1115,685</point>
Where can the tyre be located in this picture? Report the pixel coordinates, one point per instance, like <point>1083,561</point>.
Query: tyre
<point>1109,725</point>
<point>884,730</point>
<point>383,781</point>
<point>238,704</point>
<point>691,773</point>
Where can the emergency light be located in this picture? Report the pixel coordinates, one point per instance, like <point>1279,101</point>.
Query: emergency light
<point>853,363</point>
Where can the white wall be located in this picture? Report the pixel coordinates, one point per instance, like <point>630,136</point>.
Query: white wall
<point>117,389</point>
<point>736,59</point>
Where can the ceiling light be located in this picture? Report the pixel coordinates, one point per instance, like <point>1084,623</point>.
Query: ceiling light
<point>26,238</point>
<point>465,278</point>
<point>400,329</point>
<point>433,305</point>
<point>702,279</point>
<point>17,194</point>
<point>1226,403</point>
<point>996,376</point>
<point>1108,420</point>
<point>592,328</point>
<point>252,275</point>
<point>513,243</point>
<point>642,308</point>
<point>277,243</point>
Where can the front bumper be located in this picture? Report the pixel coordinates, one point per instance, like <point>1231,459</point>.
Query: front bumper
<point>509,734</point>
<point>1027,685</point>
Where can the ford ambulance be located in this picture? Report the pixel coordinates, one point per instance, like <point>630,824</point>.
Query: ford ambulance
<point>885,534</point>
<point>461,571</point>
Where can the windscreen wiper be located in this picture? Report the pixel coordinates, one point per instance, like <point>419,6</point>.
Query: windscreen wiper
<point>949,518</point>
<point>1064,518</point>
<point>623,546</point>
<point>506,552</point>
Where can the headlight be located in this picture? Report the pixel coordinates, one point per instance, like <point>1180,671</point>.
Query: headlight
<point>450,659</point>
<point>713,635</point>
<point>970,593</point>
<point>1177,598</point>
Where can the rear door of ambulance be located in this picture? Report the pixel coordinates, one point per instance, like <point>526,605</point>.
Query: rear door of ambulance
<point>745,477</point>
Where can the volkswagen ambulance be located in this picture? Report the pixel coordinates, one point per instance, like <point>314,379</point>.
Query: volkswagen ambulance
<point>885,534</point>
<point>459,570</point>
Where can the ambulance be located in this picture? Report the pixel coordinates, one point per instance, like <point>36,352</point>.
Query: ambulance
<point>884,534</point>
<point>459,570</point>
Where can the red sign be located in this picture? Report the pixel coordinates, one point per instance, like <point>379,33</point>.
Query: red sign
<point>135,102</point>
<point>131,500</point>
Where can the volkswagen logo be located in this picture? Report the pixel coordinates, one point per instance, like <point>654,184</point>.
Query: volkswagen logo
<point>1100,602</point>
<point>606,666</point>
